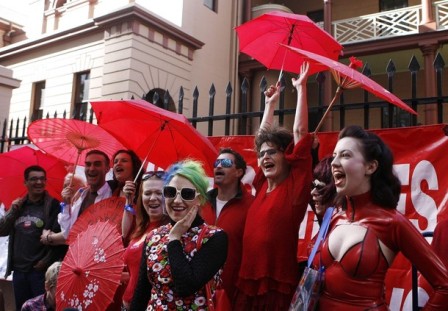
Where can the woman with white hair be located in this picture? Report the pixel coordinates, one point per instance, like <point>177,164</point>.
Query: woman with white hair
<point>46,301</point>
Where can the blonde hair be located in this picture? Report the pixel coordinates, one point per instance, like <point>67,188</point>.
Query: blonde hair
<point>51,276</point>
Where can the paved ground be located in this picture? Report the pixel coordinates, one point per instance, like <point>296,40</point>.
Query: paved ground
<point>8,295</point>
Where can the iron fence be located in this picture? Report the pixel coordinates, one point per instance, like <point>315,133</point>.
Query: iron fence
<point>14,131</point>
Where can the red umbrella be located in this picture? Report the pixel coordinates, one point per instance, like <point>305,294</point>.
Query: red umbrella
<point>91,270</point>
<point>160,136</point>
<point>348,77</point>
<point>110,209</point>
<point>259,38</point>
<point>67,138</point>
<point>14,163</point>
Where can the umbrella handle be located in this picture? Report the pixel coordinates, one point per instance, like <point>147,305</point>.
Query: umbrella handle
<point>321,122</point>
<point>149,151</point>
<point>74,168</point>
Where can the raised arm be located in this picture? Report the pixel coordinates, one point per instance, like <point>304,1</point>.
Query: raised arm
<point>272,95</point>
<point>300,127</point>
<point>129,190</point>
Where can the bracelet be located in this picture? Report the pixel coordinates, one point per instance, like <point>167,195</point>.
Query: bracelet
<point>48,239</point>
<point>128,208</point>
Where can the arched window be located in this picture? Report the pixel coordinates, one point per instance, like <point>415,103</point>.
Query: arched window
<point>156,96</point>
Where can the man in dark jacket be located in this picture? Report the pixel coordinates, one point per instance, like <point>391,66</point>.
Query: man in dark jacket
<point>24,223</point>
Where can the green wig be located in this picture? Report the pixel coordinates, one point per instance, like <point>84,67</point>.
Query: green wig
<point>194,172</point>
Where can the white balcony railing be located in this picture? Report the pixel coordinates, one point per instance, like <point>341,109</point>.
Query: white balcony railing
<point>381,25</point>
<point>387,24</point>
<point>441,14</point>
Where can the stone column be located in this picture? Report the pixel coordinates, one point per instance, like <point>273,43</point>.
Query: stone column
<point>429,53</point>
<point>7,84</point>
<point>428,23</point>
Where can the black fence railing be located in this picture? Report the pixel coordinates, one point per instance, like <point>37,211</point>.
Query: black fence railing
<point>13,132</point>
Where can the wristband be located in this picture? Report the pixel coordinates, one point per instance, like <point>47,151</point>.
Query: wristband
<point>128,208</point>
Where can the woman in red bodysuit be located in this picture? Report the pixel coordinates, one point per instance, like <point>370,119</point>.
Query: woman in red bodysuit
<point>367,231</point>
<point>269,271</point>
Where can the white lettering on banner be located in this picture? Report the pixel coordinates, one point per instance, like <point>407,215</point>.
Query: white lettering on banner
<point>248,178</point>
<point>395,299</point>
<point>423,298</point>
<point>423,204</point>
<point>303,224</point>
<point>402,171</point>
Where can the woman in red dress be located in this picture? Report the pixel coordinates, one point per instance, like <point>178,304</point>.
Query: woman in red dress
<point>149,214</point>
<point>367,231</point>
<point>269,271</point>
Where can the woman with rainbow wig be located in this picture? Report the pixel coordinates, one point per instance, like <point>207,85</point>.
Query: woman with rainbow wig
<point>180,258</point>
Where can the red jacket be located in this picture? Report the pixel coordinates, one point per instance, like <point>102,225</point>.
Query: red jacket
<point>232,219</point>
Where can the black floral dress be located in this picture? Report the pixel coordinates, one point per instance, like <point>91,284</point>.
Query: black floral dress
<point>175,273</point>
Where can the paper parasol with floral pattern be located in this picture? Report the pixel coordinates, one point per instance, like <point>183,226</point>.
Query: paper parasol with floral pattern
<point>110,209</point>
<point>91,270</point>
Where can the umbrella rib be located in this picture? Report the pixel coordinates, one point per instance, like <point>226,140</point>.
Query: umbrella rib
<point>291,34</point>
<point>162,127</point>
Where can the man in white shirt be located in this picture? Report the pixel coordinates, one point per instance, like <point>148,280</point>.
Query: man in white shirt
<point>97,164</point>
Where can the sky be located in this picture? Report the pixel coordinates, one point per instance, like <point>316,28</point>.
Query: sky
<point>168,9</point>
<point>18,10</point>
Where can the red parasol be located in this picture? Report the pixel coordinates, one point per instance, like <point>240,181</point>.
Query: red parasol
<point>13,165</point>
<point>160,136</point>
<point>348,77</point>
<point>110,209</point>
<point>67,138</point>
<point>259,38</point>
<point>91,270</point>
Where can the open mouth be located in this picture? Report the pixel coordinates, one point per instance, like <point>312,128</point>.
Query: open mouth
<point>154,206</point>
<point>268,166</point>
<point>338,178</point>
<point>119,170</point>
<point>219,173</point>
<point>178,208</point>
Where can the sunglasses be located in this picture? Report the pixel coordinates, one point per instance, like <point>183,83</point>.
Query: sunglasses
<point>158,174</point>
<point>269,152</point>
<point>317,184</point>
<point>224,163</point>
<point>187,194</point>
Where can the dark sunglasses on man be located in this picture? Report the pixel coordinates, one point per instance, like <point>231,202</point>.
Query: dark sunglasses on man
<point>226,163</point>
